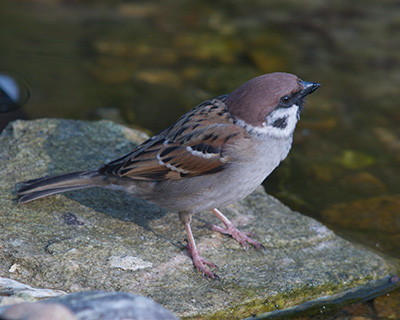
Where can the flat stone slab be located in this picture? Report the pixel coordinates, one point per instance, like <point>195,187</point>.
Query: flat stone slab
<point>98,239</point>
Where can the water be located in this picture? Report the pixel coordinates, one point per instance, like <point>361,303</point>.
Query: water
<point>145,63</point>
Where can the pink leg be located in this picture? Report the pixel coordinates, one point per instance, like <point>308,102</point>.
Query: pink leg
<point>241,236</point>
<point>198,261</point>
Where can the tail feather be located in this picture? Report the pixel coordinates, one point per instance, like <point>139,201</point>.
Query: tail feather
<point>42,187</point>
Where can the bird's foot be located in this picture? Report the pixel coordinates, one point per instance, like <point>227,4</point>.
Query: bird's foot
<point>199,262</point>
<point>242,237</point>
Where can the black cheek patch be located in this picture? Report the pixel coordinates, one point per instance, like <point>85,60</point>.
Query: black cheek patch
<point>280,123</point>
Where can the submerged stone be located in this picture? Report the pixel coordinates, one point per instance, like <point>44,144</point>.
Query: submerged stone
<point>358,214</point>
<point>125,244</point>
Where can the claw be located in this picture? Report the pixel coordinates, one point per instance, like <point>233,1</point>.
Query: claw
<point>241,236</point>
<point>199,262</point>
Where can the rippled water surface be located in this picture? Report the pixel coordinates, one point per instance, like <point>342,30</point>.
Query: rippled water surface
<point>146,63</point>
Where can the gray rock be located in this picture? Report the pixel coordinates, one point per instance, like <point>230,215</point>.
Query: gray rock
<point>13,292</point>
<point>97,305</point>
<point>104,240</point>
<point>36,311</point>
<point>9,285</point>
<point>100,305</point>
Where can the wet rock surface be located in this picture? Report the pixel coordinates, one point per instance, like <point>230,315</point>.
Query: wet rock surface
<point>104,240</point>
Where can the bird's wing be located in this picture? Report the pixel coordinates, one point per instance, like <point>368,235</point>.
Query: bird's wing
<point>193,146</point>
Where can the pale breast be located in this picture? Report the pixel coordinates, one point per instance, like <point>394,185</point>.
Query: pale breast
<point>239,179</point>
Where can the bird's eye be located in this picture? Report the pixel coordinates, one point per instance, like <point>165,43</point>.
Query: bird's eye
<point>286,99</point>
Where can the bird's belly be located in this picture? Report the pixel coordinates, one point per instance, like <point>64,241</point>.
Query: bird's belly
<point>219,189</point>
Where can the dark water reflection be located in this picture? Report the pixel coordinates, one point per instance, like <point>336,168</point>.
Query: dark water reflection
<point>145,63</point>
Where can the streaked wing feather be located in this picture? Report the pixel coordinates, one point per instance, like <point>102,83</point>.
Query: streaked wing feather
<point>193,146</point>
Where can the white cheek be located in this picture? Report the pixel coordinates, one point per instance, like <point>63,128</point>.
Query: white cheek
<point>291,115</point>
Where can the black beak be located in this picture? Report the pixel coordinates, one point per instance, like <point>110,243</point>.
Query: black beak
<point>309,87</point>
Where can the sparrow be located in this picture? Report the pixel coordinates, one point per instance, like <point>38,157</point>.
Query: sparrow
<point>214,155</point>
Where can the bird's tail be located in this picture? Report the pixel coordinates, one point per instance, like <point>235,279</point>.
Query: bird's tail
<point>42,187</point>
